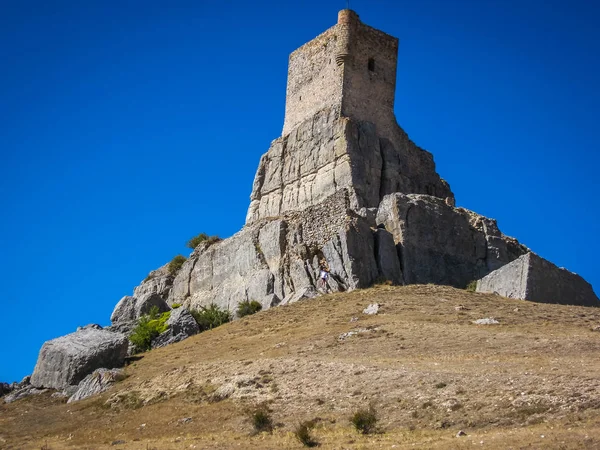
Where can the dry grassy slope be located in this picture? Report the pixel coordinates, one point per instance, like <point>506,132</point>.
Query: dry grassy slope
<point>533,381</point>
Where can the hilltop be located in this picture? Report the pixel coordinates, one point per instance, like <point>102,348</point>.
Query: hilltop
<point>531,381</point>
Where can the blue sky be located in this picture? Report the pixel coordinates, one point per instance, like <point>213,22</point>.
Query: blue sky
<point>128,127</point>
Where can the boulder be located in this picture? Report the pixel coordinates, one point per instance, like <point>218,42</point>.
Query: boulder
<point>132,308</point>
<point>441,244</point>
<point>531,277</point>
<point>159,281</point>
<point>181,326</point>
<point>97,382</point>
<point>22,392</point>
<point>66,360</point>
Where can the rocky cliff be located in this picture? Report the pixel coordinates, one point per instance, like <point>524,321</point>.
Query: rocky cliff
<point>327,153</point>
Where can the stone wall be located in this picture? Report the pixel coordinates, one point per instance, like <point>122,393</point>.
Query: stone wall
<point>314,80</point>
<point>531,277</point>
<point>369,79</point>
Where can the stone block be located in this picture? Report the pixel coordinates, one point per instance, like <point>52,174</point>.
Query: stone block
<point>531,277</point>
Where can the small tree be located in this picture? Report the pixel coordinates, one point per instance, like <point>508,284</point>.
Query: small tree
<point>247,308</point>
<point>210,317</point>
<point>176,264</point>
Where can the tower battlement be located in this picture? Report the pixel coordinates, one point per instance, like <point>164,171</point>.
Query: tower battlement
<point>350,68</point>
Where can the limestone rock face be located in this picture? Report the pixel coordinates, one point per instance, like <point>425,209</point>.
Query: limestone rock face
<point>132,308</point>
<point>66,360</point>
<point>327,153</point>
<point>158,282</point>
<point>531,277</point>
<point>272,260</point>
<point>181,325</point>
<point>441,244</point>
<point>97,382</point>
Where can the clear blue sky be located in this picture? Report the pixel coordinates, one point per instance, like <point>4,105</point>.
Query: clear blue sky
<point>128,127</point>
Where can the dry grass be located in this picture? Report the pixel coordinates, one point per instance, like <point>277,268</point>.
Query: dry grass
<point>533,381</point>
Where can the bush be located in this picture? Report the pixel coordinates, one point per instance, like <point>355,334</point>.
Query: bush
<point>176,264</point>
<point>364,420</point>
<point>302,433</point>
<point>261,419</point>
<point>202,237</point>
<point>149,326</point>
<point>247,308</point>
<point>472,286</point>
<point>176,305</point>
<point>210,317</point>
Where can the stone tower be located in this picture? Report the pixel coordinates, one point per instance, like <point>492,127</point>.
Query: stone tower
<point>340,131</point>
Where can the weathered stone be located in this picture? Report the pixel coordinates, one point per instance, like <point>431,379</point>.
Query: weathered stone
<point>158,282</point>
<point>531,277</point>
<point>327,153</point>
<point>97,382</point>
<point>305,292</point>
<point>386,256</point>
<point>22,392</point>
<point>132,308</point>
<point>371,309</point>
<point>486,321</point>
<point>93,326</point>
<point>181,326</point>
<point>440,244</point>
<point>66,360</point>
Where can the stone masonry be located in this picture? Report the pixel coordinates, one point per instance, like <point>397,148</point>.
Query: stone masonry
<point>340,131</point>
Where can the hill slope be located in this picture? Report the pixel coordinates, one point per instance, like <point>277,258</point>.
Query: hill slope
<point>533,379</point>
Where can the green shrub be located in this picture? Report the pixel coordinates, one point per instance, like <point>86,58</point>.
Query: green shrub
<point>365,420</point>
<point>247,308</point>
<point>176,305</point>
<point>302,433</point>
<point>261,419</point>
<point>176,264</point>
<point>202,237</point>
<point>472,286</point>
<point>148,327</point>
<point>210,317</point>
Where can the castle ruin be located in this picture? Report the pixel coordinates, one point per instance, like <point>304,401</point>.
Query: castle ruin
<point>344,185</point>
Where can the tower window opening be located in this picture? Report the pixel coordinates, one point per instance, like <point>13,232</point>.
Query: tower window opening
<point>371,65</point>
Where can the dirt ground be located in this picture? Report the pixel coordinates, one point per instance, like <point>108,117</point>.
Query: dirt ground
<point>531,381</point>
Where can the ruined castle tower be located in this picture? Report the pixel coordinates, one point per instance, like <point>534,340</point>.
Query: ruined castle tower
<point>340,131</point>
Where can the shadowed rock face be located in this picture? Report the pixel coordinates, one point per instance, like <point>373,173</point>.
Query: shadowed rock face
<point>66,360</point>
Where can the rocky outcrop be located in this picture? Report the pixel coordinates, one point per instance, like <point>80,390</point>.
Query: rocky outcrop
<point>181,325</point>
<point>440,244</point>
<point>130,309</point>
<point>328,153</point>
<point>531,277</point>
<point>66,360</point>
<point>97,382</point>
<point>274,259</point>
